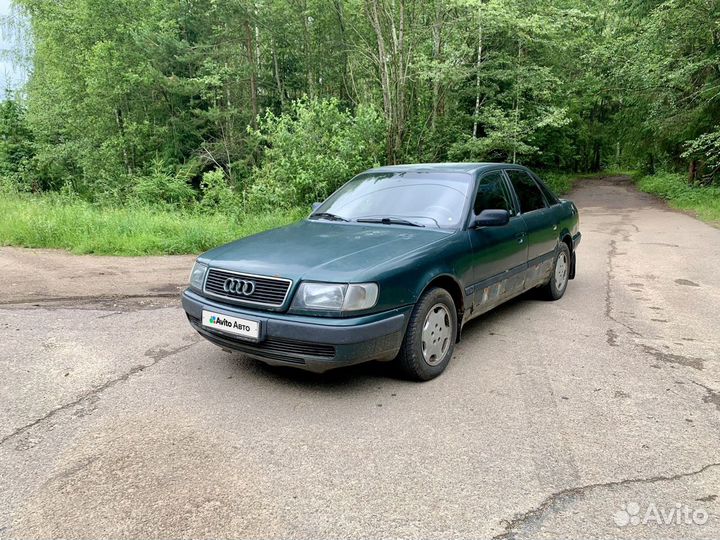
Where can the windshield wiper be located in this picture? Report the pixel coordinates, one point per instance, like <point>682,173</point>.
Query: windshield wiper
<point>329,216</point>
<point>389,221</point>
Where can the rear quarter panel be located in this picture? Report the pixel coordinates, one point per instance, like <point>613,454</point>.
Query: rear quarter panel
<point>569,223</point>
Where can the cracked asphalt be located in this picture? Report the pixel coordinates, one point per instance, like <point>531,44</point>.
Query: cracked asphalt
<point>554,420</point>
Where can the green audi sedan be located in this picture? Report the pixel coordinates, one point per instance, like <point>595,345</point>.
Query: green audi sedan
<point>390,267</point>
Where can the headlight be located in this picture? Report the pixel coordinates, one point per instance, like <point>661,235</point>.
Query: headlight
<point>197,276</point>
<point>335,296</point>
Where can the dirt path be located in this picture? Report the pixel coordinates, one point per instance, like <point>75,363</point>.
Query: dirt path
<point>46,275</point>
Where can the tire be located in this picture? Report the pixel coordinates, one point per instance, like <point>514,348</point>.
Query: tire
<point>426,352</point>
<point>556,287</point>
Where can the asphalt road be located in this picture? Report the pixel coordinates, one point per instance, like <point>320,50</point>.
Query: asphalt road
<point>552,420</point>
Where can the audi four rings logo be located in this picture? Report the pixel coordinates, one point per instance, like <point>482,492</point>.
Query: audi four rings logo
<point>243,287</point>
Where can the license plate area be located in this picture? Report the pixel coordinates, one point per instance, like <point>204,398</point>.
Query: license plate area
<point>239,327</point>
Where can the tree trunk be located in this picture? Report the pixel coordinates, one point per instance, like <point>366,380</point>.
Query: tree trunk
<point>278,79</point>
<point>250,49</point>
<point>597,155</point>
<point>309,65</point>
<point>393,60</point>
<point>516,113</point>
<point>617,154</point>
<point>121,128</point>
<point>340,12</point>
<point>384,75</point>
<point>398,34</point>
<point>437,106</point>
<point>478,61</point>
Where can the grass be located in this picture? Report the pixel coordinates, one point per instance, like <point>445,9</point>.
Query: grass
<point>703,201</point>
<point>53,221</point>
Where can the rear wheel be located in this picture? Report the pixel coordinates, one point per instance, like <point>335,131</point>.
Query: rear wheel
<point>560,274</point>
<point>430,337</point>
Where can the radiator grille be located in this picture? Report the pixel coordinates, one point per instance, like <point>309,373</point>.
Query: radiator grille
<point>268,291</point>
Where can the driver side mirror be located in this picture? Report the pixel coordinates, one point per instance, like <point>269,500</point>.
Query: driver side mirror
<point>316,205</point>
<point>491,218</point>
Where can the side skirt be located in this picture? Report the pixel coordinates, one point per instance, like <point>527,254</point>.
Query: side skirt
<point>500,288</point>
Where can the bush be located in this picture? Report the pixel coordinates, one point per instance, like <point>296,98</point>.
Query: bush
<point>217,195</point>
<point>702,200</point>
<point>164,188</point>
<point>7,186</point>
<point>313,150</point>
<point>706,150</point>
<point>16,145</point>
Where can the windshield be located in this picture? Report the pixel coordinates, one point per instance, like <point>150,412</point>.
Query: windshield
<point>419,198</point>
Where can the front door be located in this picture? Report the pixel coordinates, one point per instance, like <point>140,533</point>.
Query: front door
<point>499,253</point>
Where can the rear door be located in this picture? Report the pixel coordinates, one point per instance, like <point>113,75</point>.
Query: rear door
<point>499,253</point>
<point>540,222</point>
<point>556,212</point>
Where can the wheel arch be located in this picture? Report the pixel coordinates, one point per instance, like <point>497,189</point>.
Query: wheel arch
<point>566,239</point>
<point>453,287</point>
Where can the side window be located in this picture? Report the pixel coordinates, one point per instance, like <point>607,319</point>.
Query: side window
<point>492,194</point>
<point>529,194</point>
<point>550,197</point>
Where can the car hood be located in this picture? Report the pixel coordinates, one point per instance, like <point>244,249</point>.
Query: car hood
<point>321,250</point>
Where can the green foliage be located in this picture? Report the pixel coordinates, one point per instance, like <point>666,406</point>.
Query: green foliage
<point>704,201</point>
<point>218,195</point>
<point>162,187</point>
<point>560,183</point>
<point>16,148</point>
<point>706,150</point>
<point>54,221</point>
<point>313,150</point>
<point>669,77</point>
<point>119,85</point>
<point>7,186</point>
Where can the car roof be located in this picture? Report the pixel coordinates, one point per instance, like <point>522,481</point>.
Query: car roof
<point>467,168</point>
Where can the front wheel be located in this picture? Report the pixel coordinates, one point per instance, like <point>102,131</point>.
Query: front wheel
<point>430,337</point>
<point>557,285</point>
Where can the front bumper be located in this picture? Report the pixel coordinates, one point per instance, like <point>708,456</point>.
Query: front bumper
<point>311,343</point>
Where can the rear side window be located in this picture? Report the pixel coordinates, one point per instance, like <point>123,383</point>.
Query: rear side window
<point>529,194</point>
<point>550,197</point>
<point>492,194</point>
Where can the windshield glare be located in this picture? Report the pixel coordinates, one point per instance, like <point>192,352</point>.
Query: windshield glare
<point>417,197</point>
